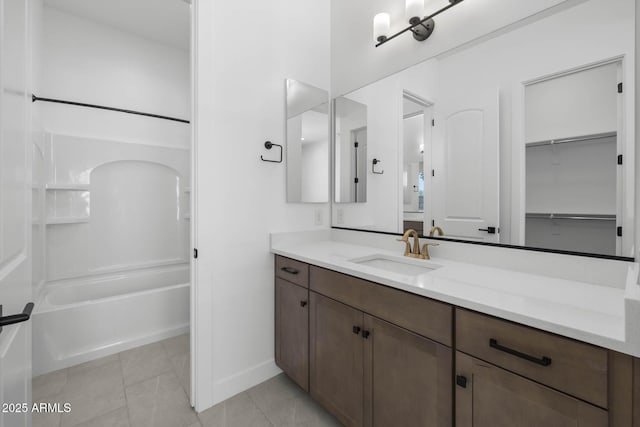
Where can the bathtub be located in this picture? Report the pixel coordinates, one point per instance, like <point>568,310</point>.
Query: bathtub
<point>78,320</point>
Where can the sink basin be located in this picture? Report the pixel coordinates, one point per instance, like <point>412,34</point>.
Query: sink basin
<point>406,266</point>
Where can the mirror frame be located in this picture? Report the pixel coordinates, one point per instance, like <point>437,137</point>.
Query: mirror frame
<point>499,245</point>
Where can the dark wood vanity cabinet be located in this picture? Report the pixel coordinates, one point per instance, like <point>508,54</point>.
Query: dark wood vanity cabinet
<point>510,374</point>
<point>377,356</point>
<point>292,331</point>
<point>292,325</point>
<point>407,378</point>
<point>337,356</point>
<point>368,371</point>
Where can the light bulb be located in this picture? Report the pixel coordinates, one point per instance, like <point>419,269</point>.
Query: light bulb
<point>414,9</point>
<point>381,26</point>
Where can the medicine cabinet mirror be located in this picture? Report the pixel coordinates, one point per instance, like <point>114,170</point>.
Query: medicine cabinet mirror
<point>307,130</point>
<point>514,140</point>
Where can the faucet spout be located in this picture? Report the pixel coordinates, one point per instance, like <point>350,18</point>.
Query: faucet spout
<point>416,242</point>
<point>415,252</point>
<point>433,231</point>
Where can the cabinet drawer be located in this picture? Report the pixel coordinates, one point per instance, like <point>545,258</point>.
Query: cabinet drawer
<point>293,271</point>
<point>576,368</point>
<point>421,315</point>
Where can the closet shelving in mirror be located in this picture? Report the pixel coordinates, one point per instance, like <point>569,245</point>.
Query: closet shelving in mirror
<point>579,217</point>
<point>583,138</point>
<point>68,220</point>
<point>67,187</point>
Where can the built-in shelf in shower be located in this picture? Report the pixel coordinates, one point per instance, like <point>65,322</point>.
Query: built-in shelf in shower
<point>68,220</point>
<point>187,216</point>
<point>187,189</point>
<point>68,187</point>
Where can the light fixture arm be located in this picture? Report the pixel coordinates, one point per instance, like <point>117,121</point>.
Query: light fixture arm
<point>422,23</point>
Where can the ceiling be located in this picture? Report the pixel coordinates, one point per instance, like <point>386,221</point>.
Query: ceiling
<point>164,21</point>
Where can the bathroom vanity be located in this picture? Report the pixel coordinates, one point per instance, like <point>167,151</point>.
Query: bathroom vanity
<point>380,339</point>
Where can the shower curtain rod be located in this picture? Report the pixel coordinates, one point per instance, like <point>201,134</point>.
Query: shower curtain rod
<point>102,107</point>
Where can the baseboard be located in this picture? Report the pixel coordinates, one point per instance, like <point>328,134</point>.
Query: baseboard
<point>244,380</point>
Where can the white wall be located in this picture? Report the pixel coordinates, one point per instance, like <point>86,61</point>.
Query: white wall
<point>636,158</point>
<point>85,61</point>
<point>240,104</point>
<point>355,61</point>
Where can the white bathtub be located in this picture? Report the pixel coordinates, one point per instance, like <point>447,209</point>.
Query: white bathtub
<point>79,320</point>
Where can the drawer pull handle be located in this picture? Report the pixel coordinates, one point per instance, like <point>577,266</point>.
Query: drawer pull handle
<point>303,303</point>
<point>544,361</point>
<point>290,270</point>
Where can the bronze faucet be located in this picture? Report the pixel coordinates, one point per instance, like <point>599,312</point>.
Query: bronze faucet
<point>434,229</point>
<point>415,252</point>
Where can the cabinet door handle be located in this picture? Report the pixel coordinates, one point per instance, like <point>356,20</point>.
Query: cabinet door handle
<point>490,230</point>
<point>461,381</point>
<point>289,270</point>
<point>543,361</point>
<point>365,334</point>
<point>303,303</point>
<point>356,330</point>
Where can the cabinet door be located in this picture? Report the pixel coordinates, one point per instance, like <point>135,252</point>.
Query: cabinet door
<point>407,379</point>
<point>336,358</point>
<point>292,331</point>
<point>488,396</point>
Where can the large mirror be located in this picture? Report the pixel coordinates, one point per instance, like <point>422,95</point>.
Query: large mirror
<point>517,138</point>
<point>307,143</point>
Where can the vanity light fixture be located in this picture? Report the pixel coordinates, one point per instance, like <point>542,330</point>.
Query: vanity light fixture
<point>420,27</point>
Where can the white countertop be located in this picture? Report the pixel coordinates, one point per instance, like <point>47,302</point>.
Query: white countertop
<point>583,311</point>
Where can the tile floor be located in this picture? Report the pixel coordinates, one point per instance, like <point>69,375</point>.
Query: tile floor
<point>148,387</point>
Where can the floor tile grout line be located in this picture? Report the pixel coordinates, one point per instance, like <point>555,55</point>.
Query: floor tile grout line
<point>259,408</point>
<point>124,388</point>
<point>175,371</point>
<point>149,378</point>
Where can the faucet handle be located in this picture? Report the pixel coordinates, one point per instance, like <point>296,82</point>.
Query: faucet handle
<point>425,250</point>
<point>407,249</point>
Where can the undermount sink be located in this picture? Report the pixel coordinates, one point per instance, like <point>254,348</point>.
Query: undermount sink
<point>408,266</point>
